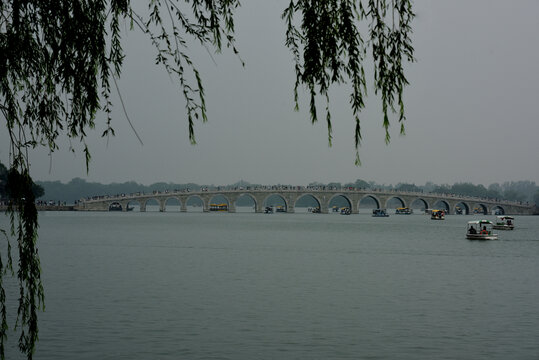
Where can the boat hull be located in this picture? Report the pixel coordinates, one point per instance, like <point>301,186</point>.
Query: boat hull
<point>503,227</point>
<point>482,237</point>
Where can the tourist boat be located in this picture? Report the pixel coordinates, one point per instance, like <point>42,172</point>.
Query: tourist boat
<point>504,223</point>
<point>379,213</point>
<point>268,210</point>
<point>346,211</point>
<point>437,215</point>
<point>115,206</point>
<point>280,208</point>
<point>480,230</point>
<point>218,207</point>
<point>403,211</point>
<point>315,210</point>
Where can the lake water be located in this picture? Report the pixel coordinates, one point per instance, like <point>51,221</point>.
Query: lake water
<point>284,286</point>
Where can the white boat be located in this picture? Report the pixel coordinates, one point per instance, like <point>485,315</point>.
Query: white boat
<point>504,223</point>
<point>480,230</point>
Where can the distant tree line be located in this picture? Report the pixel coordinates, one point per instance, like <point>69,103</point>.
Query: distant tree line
<point>77,188</point>
<point>514,190</point>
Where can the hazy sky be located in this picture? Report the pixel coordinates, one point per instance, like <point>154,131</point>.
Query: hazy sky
<point>472,110</point>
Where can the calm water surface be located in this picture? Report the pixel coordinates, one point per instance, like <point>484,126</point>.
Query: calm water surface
<point>284,286</point>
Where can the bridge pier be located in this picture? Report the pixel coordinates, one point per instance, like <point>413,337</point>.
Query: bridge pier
<point>259,203</point>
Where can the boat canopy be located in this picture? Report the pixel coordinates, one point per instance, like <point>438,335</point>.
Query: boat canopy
<point>480,222</point>
<point>505,217</point>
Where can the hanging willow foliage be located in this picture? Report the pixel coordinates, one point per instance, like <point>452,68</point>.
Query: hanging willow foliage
<point>58,59</point>
<point>330,45</point>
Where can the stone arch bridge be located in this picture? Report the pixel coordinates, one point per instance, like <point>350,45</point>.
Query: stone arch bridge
<point>324,197</point>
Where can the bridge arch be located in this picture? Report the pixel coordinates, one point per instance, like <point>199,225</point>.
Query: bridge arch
<point>194,203</point>
<point>366,202</point>
<point>340,199</point>
<point>115,206</point>
<point>313,204</point>
<point>274,199</point>
<point>394,202</point>
<point>133,205</point>
<point>218,200</point>
<point>498,210</point>
<point>441,204</point>
<point>480,208</point>
<point>461,208</point>
<point>419,204</point>
<point>151,204</point>
<point>172,204</point>
<point>242,198</point>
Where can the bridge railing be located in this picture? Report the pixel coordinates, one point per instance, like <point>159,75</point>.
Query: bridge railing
<point>317,189</point>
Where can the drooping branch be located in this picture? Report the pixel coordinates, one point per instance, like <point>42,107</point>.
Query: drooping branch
<point>57,59</point>
<point>328,48</point>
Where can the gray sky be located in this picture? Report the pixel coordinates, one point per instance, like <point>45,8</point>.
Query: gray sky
<point>471,110</point>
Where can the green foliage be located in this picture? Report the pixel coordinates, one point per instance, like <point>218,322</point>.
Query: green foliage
<point>334,185</point>
<point>519,190</point>
<point>79,188</point>
<point>329,48</point>
<point>362,184</point>
<point>56,65</point>
<point>24,226</point>
<point>442,189</point>
<point>3,180</point>
<point>516,191</point>
<point>58,59</point>
<point>407,187</point>
<point>37,190</point>
<point>469,189</point>
<point>514,195</point>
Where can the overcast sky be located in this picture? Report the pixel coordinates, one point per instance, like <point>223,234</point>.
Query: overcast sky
<point>472,110</point>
